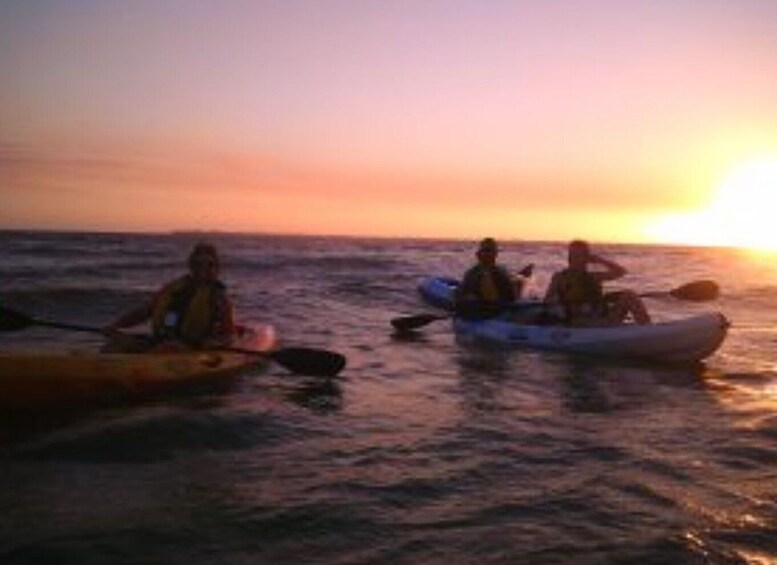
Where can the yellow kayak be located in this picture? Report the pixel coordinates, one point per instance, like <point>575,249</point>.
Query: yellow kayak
<point>38,379</point>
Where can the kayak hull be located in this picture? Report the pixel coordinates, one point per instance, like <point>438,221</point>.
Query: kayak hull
<point>680,341</point>
<point>42,379</point>
<point>686,340</point>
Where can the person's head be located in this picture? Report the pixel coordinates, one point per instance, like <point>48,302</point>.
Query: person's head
<point>204,262</point>
<point>578,254</point>
<point>487,252</point>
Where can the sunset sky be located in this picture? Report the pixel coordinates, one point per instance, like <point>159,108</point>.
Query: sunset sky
<point>631,121</point>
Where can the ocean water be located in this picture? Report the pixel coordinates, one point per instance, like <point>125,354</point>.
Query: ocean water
<point>424,451</point>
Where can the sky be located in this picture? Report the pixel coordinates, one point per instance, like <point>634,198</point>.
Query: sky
<point>522,120</point>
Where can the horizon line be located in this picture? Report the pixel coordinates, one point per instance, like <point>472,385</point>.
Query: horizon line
<point>228,233</point>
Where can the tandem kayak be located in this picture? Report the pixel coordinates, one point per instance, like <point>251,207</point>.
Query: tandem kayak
<point>43,379</point>
<point>685,340</point>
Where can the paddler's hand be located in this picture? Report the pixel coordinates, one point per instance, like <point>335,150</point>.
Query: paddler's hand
<point>614,270</point>
<point>520,280</point>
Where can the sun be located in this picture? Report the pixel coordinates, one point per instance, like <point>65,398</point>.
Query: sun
<point>742,213</point>
<point>746,205</point>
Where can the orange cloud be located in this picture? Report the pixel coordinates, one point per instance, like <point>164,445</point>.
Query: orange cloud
<point>151,185</point>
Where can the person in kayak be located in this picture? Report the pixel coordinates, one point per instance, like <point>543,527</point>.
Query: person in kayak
<point>487,287</point>
<point>580,292</point>
<point>192,311</point>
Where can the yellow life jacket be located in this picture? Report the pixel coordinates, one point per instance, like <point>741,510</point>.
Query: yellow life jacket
<point>187,311</point>
<point>577,288</point>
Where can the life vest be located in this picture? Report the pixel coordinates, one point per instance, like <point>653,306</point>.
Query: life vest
<point>188,311</point>
<point>487,288</point>
<point>488,285</point>
<point>580,292</point>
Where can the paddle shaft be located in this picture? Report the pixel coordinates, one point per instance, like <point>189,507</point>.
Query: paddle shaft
<point>301,360</point>
<point>91,329</point>
<point>61,326</point>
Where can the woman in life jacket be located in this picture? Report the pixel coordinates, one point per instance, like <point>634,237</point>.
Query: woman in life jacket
<point>580,291</point>
<point>192,311</point>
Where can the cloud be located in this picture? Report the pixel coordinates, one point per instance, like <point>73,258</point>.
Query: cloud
<point>153,165</point>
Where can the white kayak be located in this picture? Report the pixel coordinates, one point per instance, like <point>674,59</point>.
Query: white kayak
<point>685,340</point>
<point>677,341</point>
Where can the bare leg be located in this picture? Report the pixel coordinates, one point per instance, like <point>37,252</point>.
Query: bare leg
<point>627,302</point>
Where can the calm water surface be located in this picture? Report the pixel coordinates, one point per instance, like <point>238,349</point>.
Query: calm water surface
<point>424,451</point>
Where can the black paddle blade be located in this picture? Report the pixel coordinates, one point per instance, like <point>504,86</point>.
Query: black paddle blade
<point>697,291</point>
<point>11,320</point>
<point>309,362</point>
<point>527,270</point>
<point>410,323</point>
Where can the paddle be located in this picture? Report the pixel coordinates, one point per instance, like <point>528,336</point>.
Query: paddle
<point>299,360</point>
<point>473,310</point>
<point>697,291</point>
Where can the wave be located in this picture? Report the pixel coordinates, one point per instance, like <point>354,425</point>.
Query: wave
<point>159,433</point>
<point>70,295</point>
<point>324,262</point>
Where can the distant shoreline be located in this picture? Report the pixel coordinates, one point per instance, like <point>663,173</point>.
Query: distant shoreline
<point>350,237</point>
